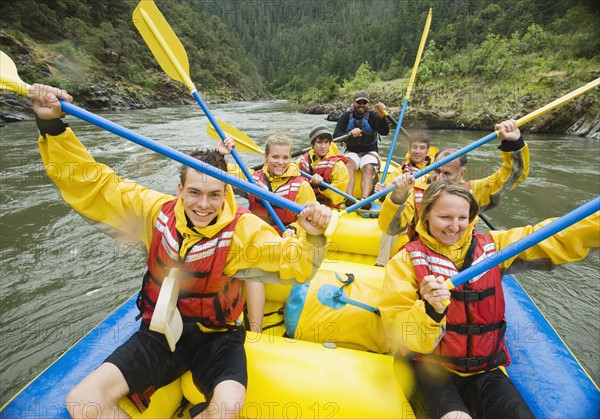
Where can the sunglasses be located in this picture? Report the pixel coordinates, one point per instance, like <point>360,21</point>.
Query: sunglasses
<point>361,102</point>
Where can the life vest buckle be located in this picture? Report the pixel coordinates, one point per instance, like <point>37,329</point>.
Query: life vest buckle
<point>470,362</point>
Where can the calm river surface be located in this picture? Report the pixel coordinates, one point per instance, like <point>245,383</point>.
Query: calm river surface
<point>60,277</point>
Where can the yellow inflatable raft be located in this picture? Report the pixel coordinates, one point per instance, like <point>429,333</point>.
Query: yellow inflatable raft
<point>313,377</point>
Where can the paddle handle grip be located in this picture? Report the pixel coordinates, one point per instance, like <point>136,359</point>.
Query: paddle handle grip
<point>448,283</point>
<point>525,243</point>
<point>179,156</point>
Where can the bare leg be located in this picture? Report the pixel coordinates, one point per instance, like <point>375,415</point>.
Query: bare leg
<point>98,394</point>
<point>227,401</point>
<point>255,294</point>
<point>457,414</point>
<point>351,168</point>
<point>366,185</point>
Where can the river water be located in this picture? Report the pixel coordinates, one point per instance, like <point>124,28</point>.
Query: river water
<point>60,277</point>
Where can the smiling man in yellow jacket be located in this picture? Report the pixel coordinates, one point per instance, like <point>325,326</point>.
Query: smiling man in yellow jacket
<point>214,243</point>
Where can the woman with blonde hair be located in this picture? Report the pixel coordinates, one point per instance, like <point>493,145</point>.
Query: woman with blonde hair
<point>456,350</point>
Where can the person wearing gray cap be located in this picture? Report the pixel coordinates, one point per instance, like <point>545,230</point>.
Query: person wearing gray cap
<point>361,149</point>
<point>324,164</point>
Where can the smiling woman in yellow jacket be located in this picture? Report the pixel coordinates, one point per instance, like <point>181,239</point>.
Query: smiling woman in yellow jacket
<point>456,350</point>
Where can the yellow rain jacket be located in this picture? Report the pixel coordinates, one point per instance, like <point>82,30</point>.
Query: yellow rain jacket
<point>339,176</point>
<point>128,211</point>
<point>395,219</point>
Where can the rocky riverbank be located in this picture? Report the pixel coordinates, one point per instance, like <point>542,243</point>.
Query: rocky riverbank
<point>579,117</point>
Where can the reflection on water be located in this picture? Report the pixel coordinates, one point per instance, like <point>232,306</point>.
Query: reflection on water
<point>60,277</point>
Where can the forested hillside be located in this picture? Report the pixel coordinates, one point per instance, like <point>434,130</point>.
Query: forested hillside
<point>302,44</point>
<point>80,43</point>
<point>497,57</point>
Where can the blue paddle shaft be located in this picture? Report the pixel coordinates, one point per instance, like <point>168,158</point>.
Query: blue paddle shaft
<point>328,186</point>
<point>526,242</point>
<point>179,156</point>
<point>393,145</point>
<point>237,158</point>
<point>427,169</point>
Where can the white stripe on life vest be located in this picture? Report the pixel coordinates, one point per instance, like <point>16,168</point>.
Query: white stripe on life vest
<point>161,221</point>
<point>436,264</point>
<point>209,248</point>
<point>173,254</point>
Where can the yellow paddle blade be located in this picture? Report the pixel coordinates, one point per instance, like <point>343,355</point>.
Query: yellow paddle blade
<point>558,102</point>
<point>9,76</point>
<point>413,75</point>
<point>162,41</point>
<point>242,141</point>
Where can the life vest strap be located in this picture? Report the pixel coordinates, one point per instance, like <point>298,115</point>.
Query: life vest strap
<point>469,296</point>
<point>473,329</point>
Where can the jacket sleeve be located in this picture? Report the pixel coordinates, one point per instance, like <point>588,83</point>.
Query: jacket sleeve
<point>569,245</point>
<point>394,219</point>
<point>258,253</point>
<point>120,207</point>
<point>515,169</point>
<point>340,126</point>
<point>405,320</point>
<point>305,193</point>
<point>339,180</point>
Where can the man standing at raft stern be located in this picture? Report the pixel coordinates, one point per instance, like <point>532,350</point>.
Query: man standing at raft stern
<point>202,232</point>
<point>361,149</point>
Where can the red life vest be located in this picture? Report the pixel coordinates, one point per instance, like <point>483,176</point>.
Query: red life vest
<point>206,295</point>
<point>289,190</point>
<point>418,194</point>
<point>475,322</point>
<point>324,167</point>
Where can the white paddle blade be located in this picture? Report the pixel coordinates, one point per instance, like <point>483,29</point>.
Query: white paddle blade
<point>166,318</point>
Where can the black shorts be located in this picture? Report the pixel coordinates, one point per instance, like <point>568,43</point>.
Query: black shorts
<point>486,395</point>
<point>146,361</point>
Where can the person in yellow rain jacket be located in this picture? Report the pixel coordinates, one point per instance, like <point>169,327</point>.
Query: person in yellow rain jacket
<point>281,176</point>
<point>400,209</point>
<point>325,165</point>
<point>203,232</point>
<point>418,157</point>
<point>457,350</point>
